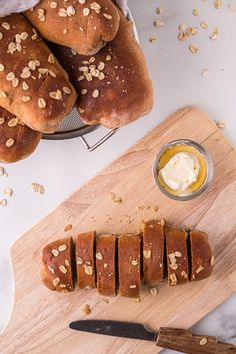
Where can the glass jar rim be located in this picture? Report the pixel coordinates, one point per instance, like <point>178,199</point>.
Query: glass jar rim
<point>209,167</point>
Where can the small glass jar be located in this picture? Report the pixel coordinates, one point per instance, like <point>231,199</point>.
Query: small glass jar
<point>205,174</point>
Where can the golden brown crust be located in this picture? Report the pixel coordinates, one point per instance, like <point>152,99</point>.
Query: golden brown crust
<point>85,263</point>
<point>17,141</point>
<point>129,265</point>
<point>202,259</point>
<point>57,265</point>
<point>68,23</point>
<point>117,74</point>
<point>33,86</point>
<point>153,252</point>
<point>106,264</point>
<point>176,255</point>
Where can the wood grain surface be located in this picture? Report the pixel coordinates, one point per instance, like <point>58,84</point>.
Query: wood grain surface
<point>40,318</point>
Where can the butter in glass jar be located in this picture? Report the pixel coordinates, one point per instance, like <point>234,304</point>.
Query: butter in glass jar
<point>183,169</point>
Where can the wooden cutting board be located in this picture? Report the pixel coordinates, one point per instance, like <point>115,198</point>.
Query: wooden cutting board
<point>40,318</point>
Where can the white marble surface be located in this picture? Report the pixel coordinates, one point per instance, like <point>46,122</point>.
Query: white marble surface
<point>177,77</point>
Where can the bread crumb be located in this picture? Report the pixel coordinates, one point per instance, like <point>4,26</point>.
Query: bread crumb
<point>152,39</point>
<point>159,10</point>
<point>68,227</point>
<point>105,300</point>
<point>86,309</point>
<point>113,197</point>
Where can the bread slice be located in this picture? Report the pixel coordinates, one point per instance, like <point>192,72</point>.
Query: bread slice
<point>129,266</point>
<point>153,252</point>
<point>112,90</point>
<point>85,264</point>
<point>177,256</point>
<point>202,259</point>
<point>17,141</point>
<point>57,265</point>
<point>106,264</point>
<point>82,25</point>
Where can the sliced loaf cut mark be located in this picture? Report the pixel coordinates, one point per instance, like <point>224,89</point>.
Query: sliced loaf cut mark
<point>176,255</point>
<point>106,265</point>
<point>202,259</point>
<point>129,265</point>
<point>153,252</point>
<point>85,260</point>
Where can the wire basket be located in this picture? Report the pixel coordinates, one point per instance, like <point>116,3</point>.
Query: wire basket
<point>73,127</point>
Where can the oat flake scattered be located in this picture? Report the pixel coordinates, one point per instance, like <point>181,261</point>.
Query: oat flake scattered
<point>232,7</point>
<point>196,12</point>
<point>204,24</point>
<point>153,291</point>
<point>193,49</point>
<point>3,202</point>
<point>86,309</point>
<point>214,33</point>
<point>203,341</point>
<point>37,188</point>
<point>8,192</point>
<point>204,72</point>
<point>220,125</point>
<point>217,4</point>
<point>158,23</point>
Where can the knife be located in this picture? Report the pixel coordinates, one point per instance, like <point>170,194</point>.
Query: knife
<point>170,338</point>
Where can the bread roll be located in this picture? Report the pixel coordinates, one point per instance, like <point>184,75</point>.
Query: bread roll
<point>202,259</point>
<point>114,86</point>
<point>33,86</point>
<point>85,249</point>
<point>177,256</point>
<point>57,265</point>
<point>153,252</point>
<point>106,264</point>
<point>82,25</point>
<point>129,265</point>
<point>17,141</point>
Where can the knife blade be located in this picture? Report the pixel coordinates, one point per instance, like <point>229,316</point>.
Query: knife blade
<point>171,338</point>
<point>115,328</point>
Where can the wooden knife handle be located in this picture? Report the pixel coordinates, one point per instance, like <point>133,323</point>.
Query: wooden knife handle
<point>186,342</point>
